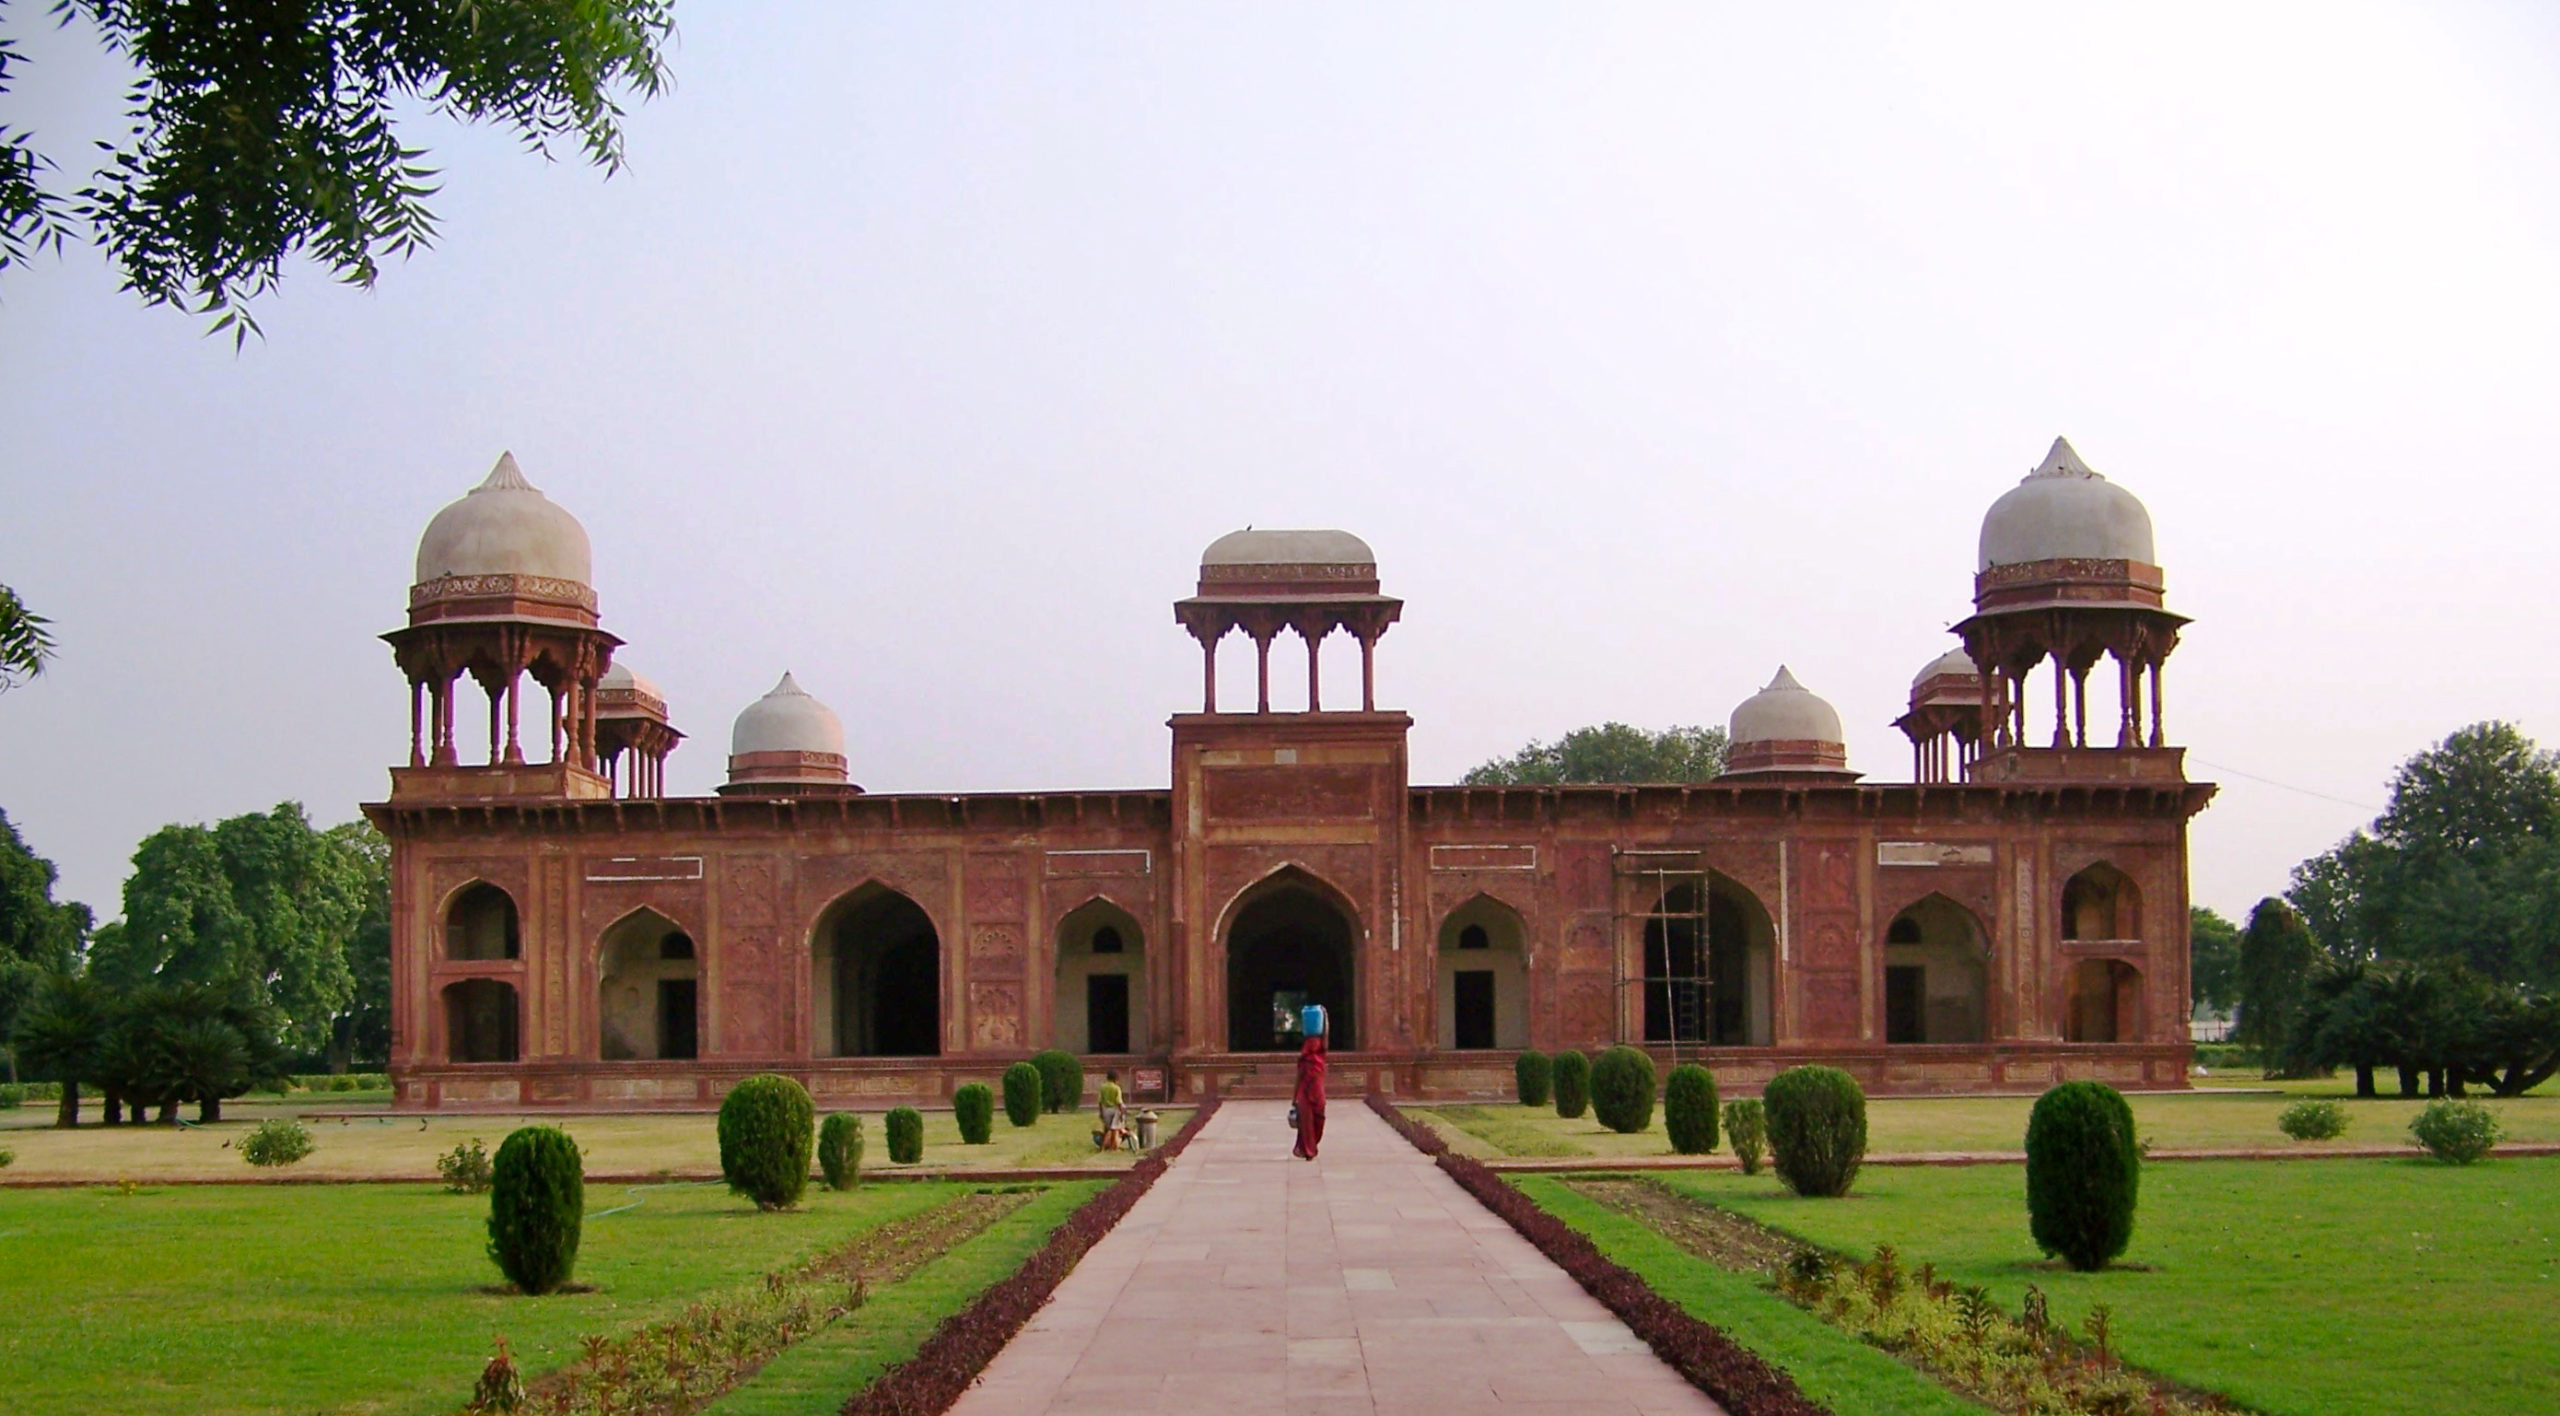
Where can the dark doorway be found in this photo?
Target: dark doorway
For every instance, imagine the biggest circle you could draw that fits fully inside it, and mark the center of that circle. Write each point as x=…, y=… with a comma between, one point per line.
x=1905, y=1002
x=675, y=1018
x=1290, y=939
x=1695, y=966
x=480, y=1021
x=887, y=987
x=1106, y=1012
x=1475, y=1007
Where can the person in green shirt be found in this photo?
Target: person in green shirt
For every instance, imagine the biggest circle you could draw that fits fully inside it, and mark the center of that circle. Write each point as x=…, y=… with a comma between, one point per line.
x=1114, y=1115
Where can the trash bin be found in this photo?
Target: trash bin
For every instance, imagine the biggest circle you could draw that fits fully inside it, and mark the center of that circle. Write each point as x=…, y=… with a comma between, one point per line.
x=1146, y=1130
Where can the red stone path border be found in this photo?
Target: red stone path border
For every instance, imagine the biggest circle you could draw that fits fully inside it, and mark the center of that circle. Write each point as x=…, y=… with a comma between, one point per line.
x=1556, y=1165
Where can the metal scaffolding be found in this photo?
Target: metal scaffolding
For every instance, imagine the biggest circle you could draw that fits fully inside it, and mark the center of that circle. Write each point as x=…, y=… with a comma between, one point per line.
x=1657, y=880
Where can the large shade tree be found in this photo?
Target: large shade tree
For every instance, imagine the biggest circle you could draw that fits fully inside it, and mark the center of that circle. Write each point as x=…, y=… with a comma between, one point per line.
x=2213, y=960
x=39, y=937
x=1609, y=752
x=2462, y=867
x=259, y=132
x=2277, y=955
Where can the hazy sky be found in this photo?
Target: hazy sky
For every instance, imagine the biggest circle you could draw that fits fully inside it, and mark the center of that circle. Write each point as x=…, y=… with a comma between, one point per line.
x=921, y=349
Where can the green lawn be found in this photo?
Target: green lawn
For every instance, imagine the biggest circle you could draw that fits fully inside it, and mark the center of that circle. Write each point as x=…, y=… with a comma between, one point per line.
x=374, y=1144
x=2379, y=1287
x=357, y=1298
x=1918, y=1125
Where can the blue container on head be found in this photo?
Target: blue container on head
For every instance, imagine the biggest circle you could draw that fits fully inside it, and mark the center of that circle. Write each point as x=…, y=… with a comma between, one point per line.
x=1311, y=1020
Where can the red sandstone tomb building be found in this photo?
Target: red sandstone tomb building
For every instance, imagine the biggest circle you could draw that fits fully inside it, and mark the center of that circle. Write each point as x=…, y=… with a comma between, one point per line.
x=566, y=935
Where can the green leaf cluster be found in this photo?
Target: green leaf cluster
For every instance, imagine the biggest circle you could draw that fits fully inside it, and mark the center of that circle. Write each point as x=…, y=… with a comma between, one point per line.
x=1622, y=1083
x=2084, y=1173
x=537, y=1207
x=1534, y=1074
x=38, y=936
x=1571, y=1072
x=1817, y=1129
x=1610, y=752
x=1023, y=1089
x=1689, y=1111
x=973, y=1107
x=840, y=1150
x=766, y=1123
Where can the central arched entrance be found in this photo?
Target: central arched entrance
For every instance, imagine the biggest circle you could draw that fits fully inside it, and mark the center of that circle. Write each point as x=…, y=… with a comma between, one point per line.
x=1291, y=944
x=876, y=978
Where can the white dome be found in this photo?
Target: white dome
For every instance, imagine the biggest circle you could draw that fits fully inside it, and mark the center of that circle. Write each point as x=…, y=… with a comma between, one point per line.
x=1954, y=661
x=505, y=527
x=1252, y=547
x=2064, y=511
x=787, y=720
x=621, y=677
x=1784, y=712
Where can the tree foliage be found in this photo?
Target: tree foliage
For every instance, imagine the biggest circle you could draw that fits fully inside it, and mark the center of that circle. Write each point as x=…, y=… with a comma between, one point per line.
x=2213, y=960
x=1611, y=752
x=259, y=132
x=2438, y=1020
x=2463, y=865
x=38, y=936
x=26, y=645
x=766, y=1125
x=2084, y=1173
x=2276, y=958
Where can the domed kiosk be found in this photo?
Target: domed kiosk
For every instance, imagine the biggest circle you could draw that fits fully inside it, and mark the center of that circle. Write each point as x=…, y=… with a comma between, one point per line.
x=1785, y=730
x=787, y=744
x=1313, y=582
x=631, y=721
x=2066, y=575
x=504, y=589
x=1945, y=719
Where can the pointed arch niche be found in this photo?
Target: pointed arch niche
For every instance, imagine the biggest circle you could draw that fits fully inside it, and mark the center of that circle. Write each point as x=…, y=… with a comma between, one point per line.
x=1102, y=981
x=1709, y=967
x=875, y=978
x=480, y=925
x=1291, y=937
x=1484, y=977
x=1937, y=975
x=480, y=1021
x=648, y=991
x=2101, y=902
x=2105, y=1003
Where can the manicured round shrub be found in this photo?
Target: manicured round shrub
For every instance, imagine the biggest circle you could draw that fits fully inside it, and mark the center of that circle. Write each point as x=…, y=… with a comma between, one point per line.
x=905, y=1129
x=2084, y=1172
x=2456, y=1131
x=765, y=1126
x=1061, y=1080
x=1535, y=1075
x=1746, y=1128
x=840, y=1151
x=2313, y=1120
x=277, y=1141
x=1622, y=1089
x=1573, y=1083
x=1022, y=1094
x=1817, y=1128
x=1689, y=1109
x=537, y=1203
x=974, y=1107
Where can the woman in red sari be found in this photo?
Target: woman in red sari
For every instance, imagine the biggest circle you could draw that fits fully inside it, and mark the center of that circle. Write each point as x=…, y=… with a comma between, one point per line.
x=1308, y=1101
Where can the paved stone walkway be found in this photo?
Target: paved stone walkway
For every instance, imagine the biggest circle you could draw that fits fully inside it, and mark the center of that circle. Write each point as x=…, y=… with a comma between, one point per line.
x=1247, y=1281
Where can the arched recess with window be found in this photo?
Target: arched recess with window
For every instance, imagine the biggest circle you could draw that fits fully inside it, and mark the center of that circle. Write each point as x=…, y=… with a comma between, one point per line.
x=1484, y=977
x=480, y=925
x=2101, y=902
x=2105, y=1003
x=1710, y=966
x=1102, y=981
x=1291, y=939
x=480, y=1020
x=875, y=978
x=1937, y=974
x=648, y=990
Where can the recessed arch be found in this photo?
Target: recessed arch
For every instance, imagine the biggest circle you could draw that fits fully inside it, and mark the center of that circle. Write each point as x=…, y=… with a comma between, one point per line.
x=2101, y=902
x=1937, y=975
x=1101, y=996
x=875, y=977
x=480, y=925
x=480, y=1021
x=1483, y=977
x=648, y=990
x=2105, y=1003
x=1709, y=966
x=1291, y=938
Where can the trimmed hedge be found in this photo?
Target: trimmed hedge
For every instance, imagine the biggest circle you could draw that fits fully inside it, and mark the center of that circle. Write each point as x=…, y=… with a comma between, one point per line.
x=1022, y=1092
x=2458, y=1132
x=2084, y=1173
x=279, y=1140
x=765, y=1127
x=904, y=1127
x=1573, y=1083
x=1724, y=1369
x=1534, y=1073
x=1689, y=1109
x=960, y=1349
x=840, y=1151
x=1061, y=1080
x=1746, y=1125
x=537, y=1205
x=1622, y=1089
x=974, y=1107
x=1817, y=1128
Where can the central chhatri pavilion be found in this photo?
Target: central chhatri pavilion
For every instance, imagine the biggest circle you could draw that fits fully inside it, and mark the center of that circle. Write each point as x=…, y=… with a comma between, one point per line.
x=567, y=935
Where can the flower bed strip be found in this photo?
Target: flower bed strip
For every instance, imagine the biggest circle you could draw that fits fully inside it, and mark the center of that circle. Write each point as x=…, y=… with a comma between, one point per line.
x=1711, y=1361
